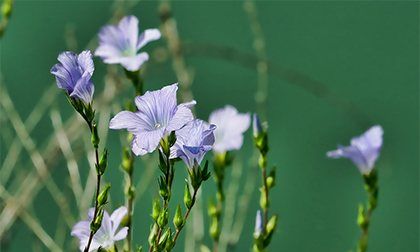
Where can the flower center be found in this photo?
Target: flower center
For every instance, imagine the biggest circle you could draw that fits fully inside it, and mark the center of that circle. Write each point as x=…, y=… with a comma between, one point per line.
x=158, y=125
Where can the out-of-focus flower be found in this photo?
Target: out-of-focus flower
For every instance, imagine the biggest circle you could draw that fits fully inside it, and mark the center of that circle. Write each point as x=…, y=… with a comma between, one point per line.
x=193, y=141
x=119, y=44
x=106, y=235
x=158, y=115
x=230, y=128
x=258, y=224
x=363, y=150
x=73, y=74
x=257, y=127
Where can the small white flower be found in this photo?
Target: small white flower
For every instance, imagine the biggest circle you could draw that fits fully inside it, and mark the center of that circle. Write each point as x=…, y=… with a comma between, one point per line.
x=106, y=235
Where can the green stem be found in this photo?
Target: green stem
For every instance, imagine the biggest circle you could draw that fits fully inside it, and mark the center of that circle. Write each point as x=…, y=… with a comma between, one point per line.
x=178, y=231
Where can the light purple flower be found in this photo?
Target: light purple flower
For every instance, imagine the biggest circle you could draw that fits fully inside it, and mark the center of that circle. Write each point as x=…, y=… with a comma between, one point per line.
x=193, y=141
x=158, y=115
x=106, y=235
x=258, y=224
x=230, y=128
x=73, y=74
x=119, y=44
x=363, y=150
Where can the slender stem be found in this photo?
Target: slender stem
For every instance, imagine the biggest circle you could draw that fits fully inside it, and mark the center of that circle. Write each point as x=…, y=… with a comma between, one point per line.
x=98, y=185
x=265, y=209
x=178, y=231
x=130, y=206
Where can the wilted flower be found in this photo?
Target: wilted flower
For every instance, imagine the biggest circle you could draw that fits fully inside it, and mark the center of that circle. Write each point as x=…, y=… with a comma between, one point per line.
x=119, y=44
x=363, y=150
x=158, y=114
x=73, y=74
x=258, y=224
x=193, y=141
x=230, y=128
x=106, y=235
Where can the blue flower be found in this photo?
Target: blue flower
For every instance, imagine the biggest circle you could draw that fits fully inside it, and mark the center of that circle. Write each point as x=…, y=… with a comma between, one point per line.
x=119, y=44
x=193, y=141
x=364, y=150
x=258, y=224
x=158, y=115
x=73, y=74
x=230, y=128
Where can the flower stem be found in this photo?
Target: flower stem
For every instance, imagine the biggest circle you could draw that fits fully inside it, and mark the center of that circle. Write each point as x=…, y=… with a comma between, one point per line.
x=365, y=212
x=178, y=231
x=98, y=185
x=266, y=191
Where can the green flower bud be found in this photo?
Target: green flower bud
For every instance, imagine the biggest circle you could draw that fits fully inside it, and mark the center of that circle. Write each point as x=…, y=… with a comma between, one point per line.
x=187, y=197
x=212, y=209
x=178, y=218
x=96, y=223
x=263, y=200
x=94, y=136
x=262, y=161
x=103, y=196
x=156, y=209
x=103, y=162
x=362, y=221
x=214, y=228
x=163, y=218
x=153, y=233
x=271, y=224
x=127, y=161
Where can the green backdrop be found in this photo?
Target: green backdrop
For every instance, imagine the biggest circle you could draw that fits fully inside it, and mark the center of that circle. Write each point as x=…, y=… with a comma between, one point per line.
x=335, y=68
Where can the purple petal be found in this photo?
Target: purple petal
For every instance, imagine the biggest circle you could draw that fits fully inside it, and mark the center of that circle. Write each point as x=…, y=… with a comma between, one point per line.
x=129, y=26
x=146, y=141
x=128, y=120
x=122, y=234
x=134, y=63
x=84, y=88
x=117, y=216
x=182, y=116
x=147, y=36
x=84, y=59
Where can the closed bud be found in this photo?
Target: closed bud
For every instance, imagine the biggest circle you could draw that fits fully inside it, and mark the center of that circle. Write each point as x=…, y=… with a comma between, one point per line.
x=262, y=161
x=163, y=239
x=362, y=221
x=271, y=224
x=95, y=136
x=169, y=242
x=257, y=128
x=178, y=218
x=163, y=218
x=103, y=196
x=263, y=200
x=215, y=228
x=127, y=161
x=212, y=209
x=103, y=162
x=96, y=223
x=187, y=197
x=156, y=209
x=271, y=179
x=152, y=236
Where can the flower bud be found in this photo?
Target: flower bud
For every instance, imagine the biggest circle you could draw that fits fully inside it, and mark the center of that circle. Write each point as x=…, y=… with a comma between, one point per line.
x=263, y=200
x=94, y=136
x=257, y=128
x=258, y=225
x=214, y=228
x=262, y=161
x=212, y=209
x=127, y=161
x=178, y=218
x=103, y=162
x=96, y=223
x=163, y=218
x=103, y=196
x=153, y=233
x=156, y=209
x=187, y=196
x=271, y=224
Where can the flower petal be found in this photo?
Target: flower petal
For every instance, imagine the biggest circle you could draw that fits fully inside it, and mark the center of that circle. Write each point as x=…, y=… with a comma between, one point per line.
x=147, y=36
x=128, y=120
x=84, y=88
x=146, y=141
x=133, y=63
x=84, y=59
x=122, y=234
x=182, y=116
x=117, y=216
x=129, y=27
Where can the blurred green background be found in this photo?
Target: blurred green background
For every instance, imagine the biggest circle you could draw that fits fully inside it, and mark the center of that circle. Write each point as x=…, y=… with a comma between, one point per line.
x=335, y=68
